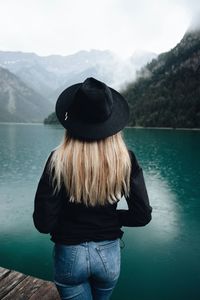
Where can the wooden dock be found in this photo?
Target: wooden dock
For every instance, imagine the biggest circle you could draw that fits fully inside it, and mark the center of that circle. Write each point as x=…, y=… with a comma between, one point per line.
x=18, y=286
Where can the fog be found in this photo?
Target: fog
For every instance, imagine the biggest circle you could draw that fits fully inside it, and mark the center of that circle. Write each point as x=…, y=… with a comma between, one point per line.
x=65, y=27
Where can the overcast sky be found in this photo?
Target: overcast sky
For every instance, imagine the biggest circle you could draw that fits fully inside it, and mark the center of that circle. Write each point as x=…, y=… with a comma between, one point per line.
x=67, y=26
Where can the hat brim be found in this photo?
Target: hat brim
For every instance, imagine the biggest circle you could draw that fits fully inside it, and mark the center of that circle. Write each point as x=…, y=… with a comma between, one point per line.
x=91, y=131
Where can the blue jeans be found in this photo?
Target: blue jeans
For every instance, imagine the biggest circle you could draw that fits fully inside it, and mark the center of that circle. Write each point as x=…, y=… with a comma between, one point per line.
x=87, y=271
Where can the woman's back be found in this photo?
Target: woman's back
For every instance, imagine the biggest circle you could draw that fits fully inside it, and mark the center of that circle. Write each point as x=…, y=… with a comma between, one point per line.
x=82, y=182
x=72, y=223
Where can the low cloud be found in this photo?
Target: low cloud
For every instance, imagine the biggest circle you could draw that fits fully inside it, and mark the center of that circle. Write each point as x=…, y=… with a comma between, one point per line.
x=65, y=27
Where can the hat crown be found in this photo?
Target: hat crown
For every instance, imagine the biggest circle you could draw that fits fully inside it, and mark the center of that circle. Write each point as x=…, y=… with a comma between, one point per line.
x=94, y=101
x=91, y=110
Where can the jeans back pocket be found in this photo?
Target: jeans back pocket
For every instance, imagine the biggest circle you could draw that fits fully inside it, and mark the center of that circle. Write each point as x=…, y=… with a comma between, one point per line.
x=110, y=254
x=64, y=259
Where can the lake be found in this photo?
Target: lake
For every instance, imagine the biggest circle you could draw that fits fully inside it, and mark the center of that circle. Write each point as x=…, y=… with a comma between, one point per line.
x=160, y=261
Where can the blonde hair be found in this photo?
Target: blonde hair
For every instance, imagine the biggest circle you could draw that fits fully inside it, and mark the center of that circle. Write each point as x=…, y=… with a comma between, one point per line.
x=93, y=173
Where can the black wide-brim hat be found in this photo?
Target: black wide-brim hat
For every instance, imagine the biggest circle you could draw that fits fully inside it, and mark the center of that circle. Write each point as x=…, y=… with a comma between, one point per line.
x=91, y=110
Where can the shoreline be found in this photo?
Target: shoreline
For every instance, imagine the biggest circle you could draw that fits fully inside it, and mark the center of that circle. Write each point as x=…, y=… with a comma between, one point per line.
x=16, y=123
x=128, y=127
x=167, y=128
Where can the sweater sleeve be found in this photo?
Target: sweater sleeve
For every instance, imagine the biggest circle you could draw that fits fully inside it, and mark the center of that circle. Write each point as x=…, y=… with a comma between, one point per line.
x=46, y=205
x=139, y=209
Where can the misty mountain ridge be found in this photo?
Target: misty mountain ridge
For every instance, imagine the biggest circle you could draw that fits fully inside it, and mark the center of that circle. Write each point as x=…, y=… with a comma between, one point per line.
x=20, y=103
x=36, y=80
x=167, y=92
x=49, y=75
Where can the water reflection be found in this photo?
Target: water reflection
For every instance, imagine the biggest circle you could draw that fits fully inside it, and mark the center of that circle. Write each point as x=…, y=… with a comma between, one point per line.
x=165, y=205
x=165, y=222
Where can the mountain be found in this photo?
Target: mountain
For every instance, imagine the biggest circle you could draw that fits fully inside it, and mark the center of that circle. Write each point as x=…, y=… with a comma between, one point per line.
x=20, y=103
x=49, y=75
x=167, y=91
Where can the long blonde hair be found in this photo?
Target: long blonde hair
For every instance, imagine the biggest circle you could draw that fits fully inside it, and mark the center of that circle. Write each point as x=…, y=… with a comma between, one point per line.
x=93, y=173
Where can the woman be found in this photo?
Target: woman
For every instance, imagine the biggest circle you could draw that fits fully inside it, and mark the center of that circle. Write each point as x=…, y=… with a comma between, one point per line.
x=77, y=195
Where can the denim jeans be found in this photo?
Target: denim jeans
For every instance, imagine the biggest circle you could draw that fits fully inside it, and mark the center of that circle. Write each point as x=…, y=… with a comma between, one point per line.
x=87, y=271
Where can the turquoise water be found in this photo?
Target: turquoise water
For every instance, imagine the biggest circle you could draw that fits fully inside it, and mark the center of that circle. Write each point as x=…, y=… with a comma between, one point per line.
x=160, y=261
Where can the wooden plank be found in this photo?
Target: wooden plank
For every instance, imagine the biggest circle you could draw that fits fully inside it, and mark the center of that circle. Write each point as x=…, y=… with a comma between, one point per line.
x=18, y=286
x=3, y=272
x=47, y=291
x=25, y=289
x=2, y=269
x=9, y=282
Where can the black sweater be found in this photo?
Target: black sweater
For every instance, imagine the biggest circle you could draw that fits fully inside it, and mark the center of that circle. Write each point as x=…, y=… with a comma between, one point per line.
x=70, y=223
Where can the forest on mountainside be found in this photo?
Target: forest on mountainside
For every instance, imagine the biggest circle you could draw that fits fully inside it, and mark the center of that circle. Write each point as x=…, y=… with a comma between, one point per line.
x=167, y=91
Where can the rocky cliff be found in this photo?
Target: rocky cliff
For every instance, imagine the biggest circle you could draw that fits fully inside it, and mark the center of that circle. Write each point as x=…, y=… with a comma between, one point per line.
x=20, y=103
